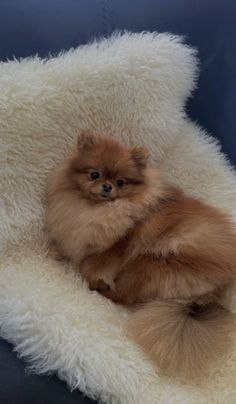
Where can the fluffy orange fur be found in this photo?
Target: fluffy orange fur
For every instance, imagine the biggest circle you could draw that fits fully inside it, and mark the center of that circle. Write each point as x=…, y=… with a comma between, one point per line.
x=142, y=242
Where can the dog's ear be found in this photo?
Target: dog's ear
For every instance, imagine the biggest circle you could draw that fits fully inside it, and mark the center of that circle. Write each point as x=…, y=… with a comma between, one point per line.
x=139, y=155
x=86, y=139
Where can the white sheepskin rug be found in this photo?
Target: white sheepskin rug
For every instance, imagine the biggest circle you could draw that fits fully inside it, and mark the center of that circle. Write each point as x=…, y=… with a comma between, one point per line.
x=133, y=87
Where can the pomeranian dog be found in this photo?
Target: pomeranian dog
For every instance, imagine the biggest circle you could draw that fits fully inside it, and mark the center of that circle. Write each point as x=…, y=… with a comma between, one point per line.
x=143, y=243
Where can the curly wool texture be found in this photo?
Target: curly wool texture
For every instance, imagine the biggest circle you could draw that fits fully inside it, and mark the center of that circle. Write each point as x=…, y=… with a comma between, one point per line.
x=133, y=87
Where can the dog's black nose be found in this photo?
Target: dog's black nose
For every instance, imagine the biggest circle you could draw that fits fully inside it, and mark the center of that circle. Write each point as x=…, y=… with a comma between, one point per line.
x=106, y=187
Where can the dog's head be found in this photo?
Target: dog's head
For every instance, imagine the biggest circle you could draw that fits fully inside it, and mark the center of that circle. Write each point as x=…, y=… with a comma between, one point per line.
x=105, y=170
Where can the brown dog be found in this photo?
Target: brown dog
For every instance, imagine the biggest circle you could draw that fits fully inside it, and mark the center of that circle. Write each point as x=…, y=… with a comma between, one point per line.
x=142, y=241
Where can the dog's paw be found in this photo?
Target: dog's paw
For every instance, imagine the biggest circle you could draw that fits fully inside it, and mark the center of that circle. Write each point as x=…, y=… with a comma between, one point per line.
x=98, y=285
x=54, y=253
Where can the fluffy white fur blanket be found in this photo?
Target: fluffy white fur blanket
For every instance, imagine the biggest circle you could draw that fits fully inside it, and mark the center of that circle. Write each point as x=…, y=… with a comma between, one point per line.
x=133, y=87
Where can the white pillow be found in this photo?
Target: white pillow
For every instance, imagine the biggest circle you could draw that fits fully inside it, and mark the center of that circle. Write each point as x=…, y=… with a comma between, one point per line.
x=133, y=87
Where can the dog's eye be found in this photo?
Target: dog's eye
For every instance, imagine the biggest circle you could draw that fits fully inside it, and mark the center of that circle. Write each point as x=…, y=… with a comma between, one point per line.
x=120, y=183
x=94, y=175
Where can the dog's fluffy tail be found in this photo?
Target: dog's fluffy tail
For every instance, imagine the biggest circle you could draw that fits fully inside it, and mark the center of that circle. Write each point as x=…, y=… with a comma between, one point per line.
x=182, y=337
